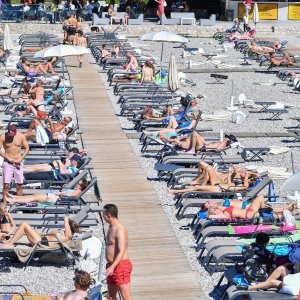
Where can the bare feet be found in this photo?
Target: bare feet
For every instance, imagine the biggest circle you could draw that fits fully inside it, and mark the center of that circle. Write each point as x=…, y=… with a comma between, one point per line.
x=173, y=192
x=6, y=246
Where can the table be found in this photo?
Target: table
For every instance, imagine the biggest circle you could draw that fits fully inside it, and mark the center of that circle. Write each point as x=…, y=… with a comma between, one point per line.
x=193, y=20
x=265, y=105
x=209, y=56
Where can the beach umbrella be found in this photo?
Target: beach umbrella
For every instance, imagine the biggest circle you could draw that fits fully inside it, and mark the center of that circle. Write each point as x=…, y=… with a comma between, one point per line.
x=163, y=37
x=292, y=184
x=255, y=14
x=173, y=82
x=7, y=41
x=62, y=51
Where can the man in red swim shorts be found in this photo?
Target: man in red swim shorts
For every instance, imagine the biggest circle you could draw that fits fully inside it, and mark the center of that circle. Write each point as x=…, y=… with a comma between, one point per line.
x=118, y=267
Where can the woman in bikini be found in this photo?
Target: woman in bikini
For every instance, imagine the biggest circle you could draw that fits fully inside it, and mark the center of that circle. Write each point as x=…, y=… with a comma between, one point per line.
x=36, y=68
x=260, y=49
x=50, y=240
x=160, y=7
x=285, y=60
x=248, y=213
x=7, y=223
x=148, y=73
x=218, y=182
x=37, y=106
x=50, y=197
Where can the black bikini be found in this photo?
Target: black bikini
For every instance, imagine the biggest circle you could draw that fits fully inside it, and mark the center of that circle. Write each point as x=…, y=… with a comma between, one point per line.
x=4, y=220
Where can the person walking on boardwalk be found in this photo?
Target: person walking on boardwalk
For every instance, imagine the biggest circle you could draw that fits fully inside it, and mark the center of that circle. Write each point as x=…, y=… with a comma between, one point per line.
x=81, y=41
x=118, y=267
x=12, y=141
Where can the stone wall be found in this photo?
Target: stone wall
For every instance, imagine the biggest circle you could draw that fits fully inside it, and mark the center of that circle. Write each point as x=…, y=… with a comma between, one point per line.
x=135, y=31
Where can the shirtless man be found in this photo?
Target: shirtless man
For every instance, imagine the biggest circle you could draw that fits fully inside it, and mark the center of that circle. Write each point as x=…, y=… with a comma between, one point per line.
x=53, y=128
x=118, y=264
x=81, y=41
x=72, y=25
x=12, y=141
x=132, y=62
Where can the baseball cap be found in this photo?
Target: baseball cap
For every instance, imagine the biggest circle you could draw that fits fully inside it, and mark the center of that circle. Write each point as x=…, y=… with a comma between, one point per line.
x=74, y=149
x=76, y=157
x=11, y=130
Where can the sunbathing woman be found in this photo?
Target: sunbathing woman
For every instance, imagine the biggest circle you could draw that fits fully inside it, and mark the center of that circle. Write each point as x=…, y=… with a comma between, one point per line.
x=217, y=183
x=192, y=144
x=50, y=240
x=37, y=106
x=36, y=68
x=208, y=205
x=285, y=60
x=7, y=223
x=50, y=197
x=173, y=126
x=231, y=211
x=241, y=36
x=260, y=49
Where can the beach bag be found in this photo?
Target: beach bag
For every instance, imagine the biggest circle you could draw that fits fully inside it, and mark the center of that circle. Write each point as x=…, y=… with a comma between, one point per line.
x=253, y=271
x=291, y=284
x=147, y=112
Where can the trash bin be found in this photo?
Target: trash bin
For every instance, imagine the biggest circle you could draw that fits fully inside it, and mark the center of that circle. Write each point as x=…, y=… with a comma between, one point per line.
x=229, y=14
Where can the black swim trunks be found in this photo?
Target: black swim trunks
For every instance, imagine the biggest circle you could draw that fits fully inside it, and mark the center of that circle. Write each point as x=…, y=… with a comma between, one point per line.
x=72, y=30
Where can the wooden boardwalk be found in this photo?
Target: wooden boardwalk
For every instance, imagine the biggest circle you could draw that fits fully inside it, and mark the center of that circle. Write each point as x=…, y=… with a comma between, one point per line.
x=160, y=269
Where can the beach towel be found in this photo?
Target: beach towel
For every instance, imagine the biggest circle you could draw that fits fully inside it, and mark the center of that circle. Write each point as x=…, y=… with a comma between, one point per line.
x=41, y=136
x=217, y=116
x=260, y=228
x=275, y=173
x=280, y=250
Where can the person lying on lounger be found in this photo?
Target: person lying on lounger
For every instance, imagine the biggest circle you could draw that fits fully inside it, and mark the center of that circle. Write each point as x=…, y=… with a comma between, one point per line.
x=194, y=143
x=37, y=68
x=215, y=182
x=50, y=197
x=231, y=211
x=285, y=61
x=52, y=171
x=7, y=223
x=236, y=36
x=55, y=131
x=208, y=205
x=260, y=49
x=50, y=240
x=275, y=280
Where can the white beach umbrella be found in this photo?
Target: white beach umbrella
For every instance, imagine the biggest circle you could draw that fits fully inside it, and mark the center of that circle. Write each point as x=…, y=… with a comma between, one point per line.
x=7, y=41
x=173, y=82
x=163, y=37
x=292, y=184
x=62, y=51
x=255, y=14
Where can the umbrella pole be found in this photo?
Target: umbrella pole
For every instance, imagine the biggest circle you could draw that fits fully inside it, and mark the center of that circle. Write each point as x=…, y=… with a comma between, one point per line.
x=64, y=84
x=161, y=57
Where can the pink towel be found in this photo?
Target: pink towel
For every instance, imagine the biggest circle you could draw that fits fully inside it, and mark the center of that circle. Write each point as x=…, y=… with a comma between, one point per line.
x=253, y=228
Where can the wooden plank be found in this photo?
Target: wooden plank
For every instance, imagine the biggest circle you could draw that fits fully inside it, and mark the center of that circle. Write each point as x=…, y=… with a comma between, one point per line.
x=160, y=269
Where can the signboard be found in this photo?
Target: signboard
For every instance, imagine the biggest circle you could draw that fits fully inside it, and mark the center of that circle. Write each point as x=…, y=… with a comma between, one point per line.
x=267, y=11
x=294, y=12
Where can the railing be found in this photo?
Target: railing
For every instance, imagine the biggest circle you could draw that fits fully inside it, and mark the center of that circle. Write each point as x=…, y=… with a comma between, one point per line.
x=21, y=12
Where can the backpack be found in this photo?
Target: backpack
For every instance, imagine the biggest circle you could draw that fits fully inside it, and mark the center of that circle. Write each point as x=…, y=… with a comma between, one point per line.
x=256, y=263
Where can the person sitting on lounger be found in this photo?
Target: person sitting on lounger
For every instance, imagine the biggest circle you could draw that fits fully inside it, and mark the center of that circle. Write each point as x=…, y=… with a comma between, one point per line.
x=50, y=240
x=82, y=282
x=104, y=52
x=148, y=72
x=231, y=212
x=285, y=61
x=36, y=105
x=55, y=131
x=132, y=62
x=36, y=68
x=174, y=128
x=52, y=171
x=215, y=183
x=7, y=223
x=51, y=196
